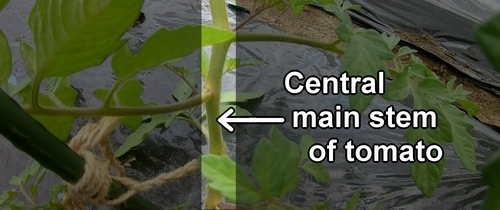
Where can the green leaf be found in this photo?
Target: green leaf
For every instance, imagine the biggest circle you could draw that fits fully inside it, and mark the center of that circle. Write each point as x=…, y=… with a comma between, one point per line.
x=129, y=94
x=30, y=171
x=268, y=172
x=353, y=201
x=289, y=154
x=363, y=57
x=321, y=206
x=490, y=176
x=12, y=90
x=399, y=88
x=61, y=94
x=415, y=60
x=426, y=175
x=6, y=58
x=233, y=63
x=405, y=51
x=138, y=136
x=470, y=107
x=41, y=175
x=230, y=180
x=391, y=40
x=317, y=170
x=419, y=70
x=171, y=119
x=238, y=97
x=458, y=127
x=380, y=204
x=67, y=45
x=238, y=110
x=339, y=13
x=29, y=56
x=491, y=201
x=165, y=45
x=183, y=90
x=55, y=190
x=487, y=35
x=15, y=180
x=6, y=196
x=3, y=3
x=306, y=143
x=435, y=87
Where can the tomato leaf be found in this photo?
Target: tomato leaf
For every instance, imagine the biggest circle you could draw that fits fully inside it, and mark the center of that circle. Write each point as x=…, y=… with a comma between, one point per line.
x=230, y=180
x=321, y=206
x=238, y=97
x=458, y=127
x=165, y=45
x=353, y=201
x=137, y=137
x=129, y=94
x=426, y=175
x=183, y=90
x=317, y=171
x=67, y=45
x=363, y=57
x=399, y=88
x=5, y=59
x=60, y=94
x=3, y=3
x=268, y=172
x=6, y=196
x=306, y=143
x=405, y=51
x=238, y=110
x=289, y=154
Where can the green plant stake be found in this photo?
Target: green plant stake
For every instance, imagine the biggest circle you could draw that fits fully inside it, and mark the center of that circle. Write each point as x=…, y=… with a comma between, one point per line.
x=31, y=137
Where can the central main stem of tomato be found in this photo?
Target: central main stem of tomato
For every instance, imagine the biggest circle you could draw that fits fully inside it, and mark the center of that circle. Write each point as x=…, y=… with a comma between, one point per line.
x=214, y=86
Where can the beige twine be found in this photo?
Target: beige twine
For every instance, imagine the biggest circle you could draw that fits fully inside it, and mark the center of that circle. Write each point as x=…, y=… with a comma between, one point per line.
x=95, y=182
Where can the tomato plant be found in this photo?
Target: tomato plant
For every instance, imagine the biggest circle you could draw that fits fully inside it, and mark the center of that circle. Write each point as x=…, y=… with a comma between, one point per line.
x=57, y=52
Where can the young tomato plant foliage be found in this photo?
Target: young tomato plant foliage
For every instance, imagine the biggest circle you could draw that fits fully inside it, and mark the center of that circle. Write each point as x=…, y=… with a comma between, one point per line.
x=363, y=52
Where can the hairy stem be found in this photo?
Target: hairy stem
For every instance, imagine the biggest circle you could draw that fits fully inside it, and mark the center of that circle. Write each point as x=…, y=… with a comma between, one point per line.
x=266, y=36
x=119, y=111
x=213, y=84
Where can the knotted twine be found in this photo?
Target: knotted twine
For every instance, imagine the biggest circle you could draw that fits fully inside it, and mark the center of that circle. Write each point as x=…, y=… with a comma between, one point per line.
x=95, y=183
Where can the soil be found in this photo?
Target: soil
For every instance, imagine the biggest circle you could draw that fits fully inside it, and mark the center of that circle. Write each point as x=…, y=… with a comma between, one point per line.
x=320, y=25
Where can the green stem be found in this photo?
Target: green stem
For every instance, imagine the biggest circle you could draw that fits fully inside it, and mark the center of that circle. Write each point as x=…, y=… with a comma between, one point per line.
x=266, y=36
x=252, y=16
x=190, y=119
x=107, y=100
x=119, y=111
x=213, y=84
x=34, y=92
x=31, y=201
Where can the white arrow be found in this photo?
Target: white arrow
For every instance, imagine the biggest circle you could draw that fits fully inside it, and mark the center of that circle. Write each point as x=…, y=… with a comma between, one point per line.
x=225, y=119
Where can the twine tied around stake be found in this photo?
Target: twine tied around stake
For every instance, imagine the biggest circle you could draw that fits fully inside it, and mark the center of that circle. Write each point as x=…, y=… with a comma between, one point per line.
x=95, y=183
